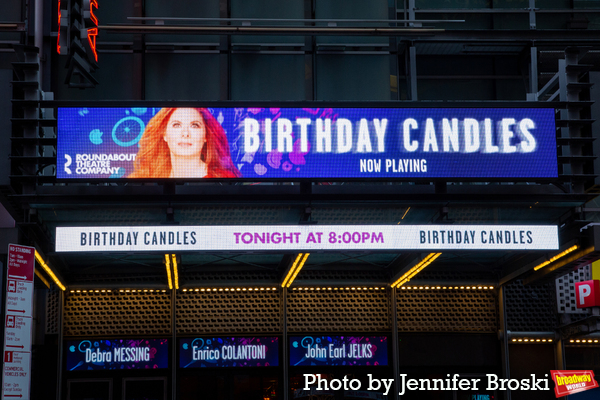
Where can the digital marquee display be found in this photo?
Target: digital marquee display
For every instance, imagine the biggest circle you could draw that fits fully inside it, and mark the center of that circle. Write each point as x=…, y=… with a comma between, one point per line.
x=229, y=352
x=338, y=350
x=305, y=238
x=306, y=143
x=100, y=354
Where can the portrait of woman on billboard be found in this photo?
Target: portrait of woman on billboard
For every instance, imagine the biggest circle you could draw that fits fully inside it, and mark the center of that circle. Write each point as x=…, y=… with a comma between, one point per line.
x=184, y=143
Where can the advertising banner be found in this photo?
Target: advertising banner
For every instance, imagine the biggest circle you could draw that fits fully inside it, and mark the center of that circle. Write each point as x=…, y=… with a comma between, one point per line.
x=306, y=238
x=306, y=143
x=229, y=352
x=97, y=354
x=338, y=350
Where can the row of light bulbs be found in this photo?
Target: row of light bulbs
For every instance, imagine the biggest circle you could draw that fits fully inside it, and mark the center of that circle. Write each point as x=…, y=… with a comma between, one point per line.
x=447, y=287
x=584, y=341
x=341, y=288
x=269, y=288
x=527, y=340
x=120, y=291
x=227, y=289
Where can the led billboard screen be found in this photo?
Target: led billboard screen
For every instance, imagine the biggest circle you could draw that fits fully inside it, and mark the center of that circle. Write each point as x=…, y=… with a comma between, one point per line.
x=306, y=143
x=338, y=350
x=100, y=354
x=306, y=238
x=229, y=352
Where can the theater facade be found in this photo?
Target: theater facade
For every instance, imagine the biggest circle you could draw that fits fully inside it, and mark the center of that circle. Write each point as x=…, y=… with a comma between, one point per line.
x=299, y=200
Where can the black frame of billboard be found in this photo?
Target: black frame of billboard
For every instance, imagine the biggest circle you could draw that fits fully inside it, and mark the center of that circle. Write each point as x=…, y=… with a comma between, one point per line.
x=301, y=104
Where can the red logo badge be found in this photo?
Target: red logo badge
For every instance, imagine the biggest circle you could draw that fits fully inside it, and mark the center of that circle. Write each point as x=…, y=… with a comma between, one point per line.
x=587, y=293
x=569, y=382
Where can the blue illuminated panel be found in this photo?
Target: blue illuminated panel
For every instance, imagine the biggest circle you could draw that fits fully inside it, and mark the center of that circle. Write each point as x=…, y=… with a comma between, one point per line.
x=97, y=354
x=338, y=350
x=311, y=143
x=229, y=352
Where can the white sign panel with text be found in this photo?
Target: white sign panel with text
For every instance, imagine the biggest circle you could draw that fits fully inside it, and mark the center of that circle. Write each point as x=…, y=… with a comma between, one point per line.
x=306, y=238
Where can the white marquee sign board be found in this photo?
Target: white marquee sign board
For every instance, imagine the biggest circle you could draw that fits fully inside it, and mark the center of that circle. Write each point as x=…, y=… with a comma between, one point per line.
x=306, y=238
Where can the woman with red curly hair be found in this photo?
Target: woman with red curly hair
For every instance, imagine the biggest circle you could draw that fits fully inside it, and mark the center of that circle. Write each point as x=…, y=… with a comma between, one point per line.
x=184, y=143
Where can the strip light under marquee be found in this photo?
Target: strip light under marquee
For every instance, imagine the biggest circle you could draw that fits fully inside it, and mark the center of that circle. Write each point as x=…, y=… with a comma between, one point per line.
x=277, y=143
x=305, y=238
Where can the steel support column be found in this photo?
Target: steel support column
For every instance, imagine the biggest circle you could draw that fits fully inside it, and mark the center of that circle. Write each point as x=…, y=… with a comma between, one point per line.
x=395, y=338
x=286, y=383
x=504, y=339
x=412, y=72
x=533, y=75
x=173, y=345
x=61, y=306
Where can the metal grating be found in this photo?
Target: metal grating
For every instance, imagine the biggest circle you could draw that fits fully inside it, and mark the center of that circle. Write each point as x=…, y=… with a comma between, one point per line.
x=52, y=310
x=357, y=215
x=228, y=311
x=237, y=215
x=338, y=310
x=121, y=280
x=472, y=215
x=565, y=290
x=343, y=275
x=530, y=308
x=117, y=313
x=446, y=310
x=247, y=277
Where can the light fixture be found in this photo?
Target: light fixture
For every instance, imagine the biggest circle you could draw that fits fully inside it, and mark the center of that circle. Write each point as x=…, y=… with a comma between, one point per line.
x=49, y=271
x=556, y=257
x=172, y=277
x=175, y=271
x=295, y=269
x=168, y=266
x=431, y=257
x=531, y=340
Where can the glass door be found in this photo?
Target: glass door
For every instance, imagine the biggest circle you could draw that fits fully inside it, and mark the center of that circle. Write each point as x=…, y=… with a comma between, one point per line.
x=89, y=389
x=145, y=388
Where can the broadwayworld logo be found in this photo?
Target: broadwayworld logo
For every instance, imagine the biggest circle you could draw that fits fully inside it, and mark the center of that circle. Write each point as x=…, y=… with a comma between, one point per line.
x=569, y=382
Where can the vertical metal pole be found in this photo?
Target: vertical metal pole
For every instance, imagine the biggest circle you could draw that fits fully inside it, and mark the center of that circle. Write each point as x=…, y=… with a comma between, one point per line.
x=309, y=55
x=60, y=345
x=532, y=21
x=560, y=361
x=411, y=11
x=286, y=380
x=412, y=70
x=559, y=357
x=39, y=34
x=224, y=56
x=504, y=332
x=393, y=53
x=173, y=345
x=533, y=74
x=395, y=339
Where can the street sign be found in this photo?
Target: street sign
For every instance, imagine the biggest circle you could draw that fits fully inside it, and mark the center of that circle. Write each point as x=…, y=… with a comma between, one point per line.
x=17, y=323
x=17, y=375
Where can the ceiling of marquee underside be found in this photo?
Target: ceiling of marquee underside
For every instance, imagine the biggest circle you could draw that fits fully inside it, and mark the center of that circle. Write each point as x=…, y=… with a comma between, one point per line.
x=139, y=269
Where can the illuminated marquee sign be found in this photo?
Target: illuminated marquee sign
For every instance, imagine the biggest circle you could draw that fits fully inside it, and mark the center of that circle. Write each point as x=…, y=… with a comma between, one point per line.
x=117, y=354
x=306, y=238
x=338, y=350
x=229, y=352
x=306, y=143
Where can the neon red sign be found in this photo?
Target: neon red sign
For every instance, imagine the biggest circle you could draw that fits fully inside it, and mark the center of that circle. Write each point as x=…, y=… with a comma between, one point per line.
x=58, y=38
x=92, y=33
